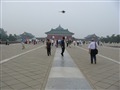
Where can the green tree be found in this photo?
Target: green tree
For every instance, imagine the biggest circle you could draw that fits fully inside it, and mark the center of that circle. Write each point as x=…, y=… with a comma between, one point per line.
x=3, y=35
x=112, y=39
x=117, y=38
x=12, y=37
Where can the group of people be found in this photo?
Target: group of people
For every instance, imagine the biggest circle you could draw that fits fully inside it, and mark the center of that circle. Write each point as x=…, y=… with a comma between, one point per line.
x=92, y=49
x=48, y=46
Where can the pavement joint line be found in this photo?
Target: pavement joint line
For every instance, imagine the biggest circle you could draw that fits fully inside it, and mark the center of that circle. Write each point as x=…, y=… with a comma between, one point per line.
x=102, y=56
x=5, y=60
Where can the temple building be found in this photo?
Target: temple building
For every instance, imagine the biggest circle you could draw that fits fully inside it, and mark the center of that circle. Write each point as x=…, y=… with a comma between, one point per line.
x=58, y=33
x=92, y=36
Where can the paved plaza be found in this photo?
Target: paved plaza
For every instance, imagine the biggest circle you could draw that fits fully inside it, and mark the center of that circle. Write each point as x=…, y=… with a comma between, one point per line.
x=32, y=69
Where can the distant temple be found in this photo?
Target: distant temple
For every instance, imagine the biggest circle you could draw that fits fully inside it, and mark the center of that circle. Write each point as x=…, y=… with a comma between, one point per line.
x=92, y=36
x=58, y=33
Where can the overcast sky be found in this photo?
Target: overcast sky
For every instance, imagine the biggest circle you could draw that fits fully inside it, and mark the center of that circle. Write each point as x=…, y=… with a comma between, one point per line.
x=82, y=18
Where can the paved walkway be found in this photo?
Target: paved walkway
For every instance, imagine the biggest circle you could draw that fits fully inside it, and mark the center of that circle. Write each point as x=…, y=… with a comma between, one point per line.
x=32, y=69
x=105, y=74
x=65, y=75
x=28, y=71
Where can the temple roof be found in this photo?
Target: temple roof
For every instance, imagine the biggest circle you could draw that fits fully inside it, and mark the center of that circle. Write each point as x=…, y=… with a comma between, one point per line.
x=90, y=37
x=59, y=30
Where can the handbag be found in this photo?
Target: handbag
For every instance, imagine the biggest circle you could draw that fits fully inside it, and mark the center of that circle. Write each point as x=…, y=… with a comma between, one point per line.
x=96, y=50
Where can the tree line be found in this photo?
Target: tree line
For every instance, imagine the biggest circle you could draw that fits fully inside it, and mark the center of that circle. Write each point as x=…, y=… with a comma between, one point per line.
x=111, y=39
x=13, y=37
x=4, y=36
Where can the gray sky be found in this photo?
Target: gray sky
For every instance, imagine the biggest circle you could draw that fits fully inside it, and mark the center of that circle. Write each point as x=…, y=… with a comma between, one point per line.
x=81, y=18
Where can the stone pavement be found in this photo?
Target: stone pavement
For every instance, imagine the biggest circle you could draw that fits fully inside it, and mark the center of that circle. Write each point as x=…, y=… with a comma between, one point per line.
x=105, y=74
x=26, y=72
x=30, y=71
x=65, y=75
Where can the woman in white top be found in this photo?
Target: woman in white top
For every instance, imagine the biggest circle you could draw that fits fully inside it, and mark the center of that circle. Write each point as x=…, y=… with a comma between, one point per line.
x=92, y=46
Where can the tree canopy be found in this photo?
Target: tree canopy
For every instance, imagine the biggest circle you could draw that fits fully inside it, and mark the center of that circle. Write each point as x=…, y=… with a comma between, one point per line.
x=111, y=39
x=14, y=37
x=3, y=35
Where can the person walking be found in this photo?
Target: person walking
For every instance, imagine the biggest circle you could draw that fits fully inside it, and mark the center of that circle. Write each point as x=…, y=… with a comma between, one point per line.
x=48, y=46
x=57, y=43
x=7, y=42
x=63, y=46
x=92, y=46
x=23, y=43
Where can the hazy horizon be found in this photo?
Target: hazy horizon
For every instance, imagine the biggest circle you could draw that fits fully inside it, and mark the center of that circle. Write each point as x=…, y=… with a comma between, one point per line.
x=81, y=18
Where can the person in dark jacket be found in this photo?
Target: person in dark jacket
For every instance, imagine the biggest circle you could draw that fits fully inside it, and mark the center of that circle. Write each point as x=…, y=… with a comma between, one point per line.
x=62, y=46
x=48, y=46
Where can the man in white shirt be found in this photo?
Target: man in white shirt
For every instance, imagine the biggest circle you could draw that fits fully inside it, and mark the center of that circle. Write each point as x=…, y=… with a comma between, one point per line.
x=92, y=46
